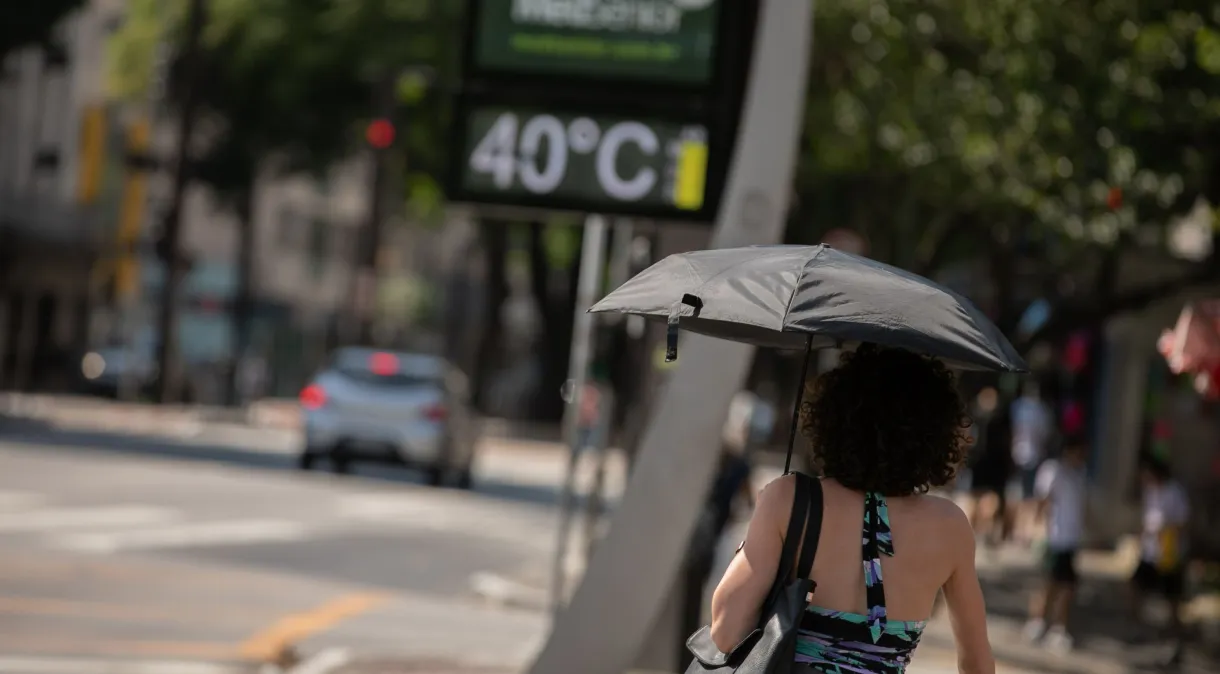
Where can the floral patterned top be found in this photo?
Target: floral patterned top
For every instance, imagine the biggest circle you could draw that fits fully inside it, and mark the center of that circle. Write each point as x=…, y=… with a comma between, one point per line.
x=838, y=642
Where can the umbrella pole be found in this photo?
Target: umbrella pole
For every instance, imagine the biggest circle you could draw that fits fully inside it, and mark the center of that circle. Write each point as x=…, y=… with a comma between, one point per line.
x=796, y=412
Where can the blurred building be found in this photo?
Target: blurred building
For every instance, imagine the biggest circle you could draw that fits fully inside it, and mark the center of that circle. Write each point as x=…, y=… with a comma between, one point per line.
x=84, y=184
x=53, y=226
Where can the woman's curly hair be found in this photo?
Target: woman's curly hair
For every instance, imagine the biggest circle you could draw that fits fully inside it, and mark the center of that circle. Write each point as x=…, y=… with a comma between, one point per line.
x=886, y=420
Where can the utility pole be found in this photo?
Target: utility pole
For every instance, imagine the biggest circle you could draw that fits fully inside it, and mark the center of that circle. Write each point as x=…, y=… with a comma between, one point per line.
x=169, y=243
x=380, y=136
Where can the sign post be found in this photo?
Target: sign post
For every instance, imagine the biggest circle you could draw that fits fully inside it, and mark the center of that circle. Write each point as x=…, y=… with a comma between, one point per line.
x=587, y=286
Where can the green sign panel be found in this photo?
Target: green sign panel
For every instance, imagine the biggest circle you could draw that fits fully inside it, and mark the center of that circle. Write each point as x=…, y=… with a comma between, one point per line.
x=667, y=41
x=610, y=164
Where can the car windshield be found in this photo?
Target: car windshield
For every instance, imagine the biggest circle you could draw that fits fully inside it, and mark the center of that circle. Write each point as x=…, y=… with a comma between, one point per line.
x=385, y=368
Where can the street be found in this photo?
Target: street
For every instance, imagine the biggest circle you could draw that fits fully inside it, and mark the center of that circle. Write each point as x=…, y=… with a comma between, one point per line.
x=124, y=546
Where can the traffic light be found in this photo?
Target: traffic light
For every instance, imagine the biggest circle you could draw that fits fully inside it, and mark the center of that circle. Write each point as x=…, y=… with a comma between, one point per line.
x=380, y=134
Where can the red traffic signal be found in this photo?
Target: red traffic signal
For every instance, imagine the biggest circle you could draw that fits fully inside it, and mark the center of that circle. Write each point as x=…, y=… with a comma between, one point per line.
x=1114, y=198
x=380, y=134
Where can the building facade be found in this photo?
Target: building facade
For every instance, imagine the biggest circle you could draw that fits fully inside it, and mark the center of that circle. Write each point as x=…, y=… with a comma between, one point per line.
x=77, y=216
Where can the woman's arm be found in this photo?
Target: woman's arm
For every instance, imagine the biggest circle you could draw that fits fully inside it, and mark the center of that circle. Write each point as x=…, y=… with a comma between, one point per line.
x=740, y=594
x=964, y=597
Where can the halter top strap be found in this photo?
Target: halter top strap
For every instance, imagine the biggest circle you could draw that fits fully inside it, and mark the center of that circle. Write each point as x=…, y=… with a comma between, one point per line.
x=878, y=540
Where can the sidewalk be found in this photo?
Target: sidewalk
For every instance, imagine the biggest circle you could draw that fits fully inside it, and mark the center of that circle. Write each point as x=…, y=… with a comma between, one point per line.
x=926, y=661
x=1107, y=641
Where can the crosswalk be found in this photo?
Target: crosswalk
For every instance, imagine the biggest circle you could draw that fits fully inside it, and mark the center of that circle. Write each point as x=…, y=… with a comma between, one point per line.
x=30, y=518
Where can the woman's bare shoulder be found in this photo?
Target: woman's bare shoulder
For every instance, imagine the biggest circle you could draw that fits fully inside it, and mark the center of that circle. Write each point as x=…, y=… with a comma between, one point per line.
x=777, y=496
x=944, y=512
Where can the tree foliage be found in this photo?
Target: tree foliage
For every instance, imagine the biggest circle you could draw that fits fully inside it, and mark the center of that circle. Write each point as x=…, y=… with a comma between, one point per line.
x=294, y=80
x=952, y=128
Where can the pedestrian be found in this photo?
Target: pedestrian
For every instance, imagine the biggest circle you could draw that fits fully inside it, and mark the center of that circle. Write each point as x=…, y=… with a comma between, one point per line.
x=990, y=474
x=885, y=427
x=1162, y=567
x=731, y=485
x=1032, y=428
x=1061, y=487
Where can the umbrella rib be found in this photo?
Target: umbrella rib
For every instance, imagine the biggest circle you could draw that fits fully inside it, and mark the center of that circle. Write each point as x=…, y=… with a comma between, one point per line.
x=796, y=287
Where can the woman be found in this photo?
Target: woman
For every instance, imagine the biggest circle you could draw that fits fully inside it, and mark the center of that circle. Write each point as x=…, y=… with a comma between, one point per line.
x=885, y=426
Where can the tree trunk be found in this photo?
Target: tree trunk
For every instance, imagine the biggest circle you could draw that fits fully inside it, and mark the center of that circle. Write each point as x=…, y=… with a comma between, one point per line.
x=243, y=303
x=495, y=255
x=168, y=366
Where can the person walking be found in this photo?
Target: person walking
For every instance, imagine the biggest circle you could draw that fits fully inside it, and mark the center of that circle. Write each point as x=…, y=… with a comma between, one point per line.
x=731, y=486
x=1162, y=566
x=990, y=474
x=1032, y=428
x=885, y=426
x=1061, y=489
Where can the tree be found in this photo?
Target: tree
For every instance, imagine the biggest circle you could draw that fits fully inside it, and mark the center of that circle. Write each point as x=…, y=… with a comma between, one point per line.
x=286, y=86
x=23, y=24
x=1005, y=130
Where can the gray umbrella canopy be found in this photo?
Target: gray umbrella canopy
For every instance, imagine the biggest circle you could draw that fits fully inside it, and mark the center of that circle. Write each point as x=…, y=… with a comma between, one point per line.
x=799, y=297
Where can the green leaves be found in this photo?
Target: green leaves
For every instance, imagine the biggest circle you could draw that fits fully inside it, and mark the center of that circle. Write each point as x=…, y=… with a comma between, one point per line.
x=1027, y=111
x=296, y=80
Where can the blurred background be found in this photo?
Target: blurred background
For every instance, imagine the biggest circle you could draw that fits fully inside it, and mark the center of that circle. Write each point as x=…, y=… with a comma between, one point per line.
x=267, y=279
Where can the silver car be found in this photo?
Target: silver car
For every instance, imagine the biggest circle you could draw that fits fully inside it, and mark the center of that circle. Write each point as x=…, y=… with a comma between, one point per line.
x=388, y=407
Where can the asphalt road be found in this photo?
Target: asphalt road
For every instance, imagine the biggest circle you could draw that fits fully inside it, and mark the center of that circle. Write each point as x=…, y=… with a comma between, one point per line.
x=208, y=553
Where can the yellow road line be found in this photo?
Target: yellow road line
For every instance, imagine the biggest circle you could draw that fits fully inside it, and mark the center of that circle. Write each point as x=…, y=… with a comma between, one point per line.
x=268, y=644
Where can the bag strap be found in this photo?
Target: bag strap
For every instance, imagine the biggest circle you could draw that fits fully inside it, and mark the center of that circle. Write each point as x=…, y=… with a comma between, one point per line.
x=813, y=526
x=796, y=524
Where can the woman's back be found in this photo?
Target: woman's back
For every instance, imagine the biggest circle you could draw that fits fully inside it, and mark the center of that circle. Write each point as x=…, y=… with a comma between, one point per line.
x=922, y=558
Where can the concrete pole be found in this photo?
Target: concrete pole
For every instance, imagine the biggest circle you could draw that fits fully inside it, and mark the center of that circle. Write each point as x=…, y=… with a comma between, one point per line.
x=629, y=577
x=588, y=286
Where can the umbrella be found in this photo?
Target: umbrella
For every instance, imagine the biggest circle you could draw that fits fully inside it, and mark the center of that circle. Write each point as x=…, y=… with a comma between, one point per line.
x=810, y=297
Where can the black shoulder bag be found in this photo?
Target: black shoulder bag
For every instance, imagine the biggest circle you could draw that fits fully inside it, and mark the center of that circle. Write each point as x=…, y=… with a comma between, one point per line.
x=771, y=647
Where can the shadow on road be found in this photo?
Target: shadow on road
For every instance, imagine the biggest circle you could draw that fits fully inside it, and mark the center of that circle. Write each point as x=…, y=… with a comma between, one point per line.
x=38, y=433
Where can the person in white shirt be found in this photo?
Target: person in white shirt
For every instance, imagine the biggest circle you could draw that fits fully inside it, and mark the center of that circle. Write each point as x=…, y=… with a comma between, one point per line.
x=1033, y=426
x=1061, y=488
x=1162, y=567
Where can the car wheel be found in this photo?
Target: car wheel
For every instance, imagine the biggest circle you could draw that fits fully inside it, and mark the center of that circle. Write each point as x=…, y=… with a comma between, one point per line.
x=306, y=460
x=340, y=461
x=434, y=476
x=464, y=479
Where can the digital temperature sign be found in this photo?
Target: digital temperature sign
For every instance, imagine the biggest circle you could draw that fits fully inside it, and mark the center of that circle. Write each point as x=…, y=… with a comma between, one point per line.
x=614, y=164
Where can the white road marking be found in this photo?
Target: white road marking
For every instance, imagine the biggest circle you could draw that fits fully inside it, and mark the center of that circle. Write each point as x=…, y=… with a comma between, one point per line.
x=234, y=532
x=37, y=665
x=324, y=662
x=85, y=517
